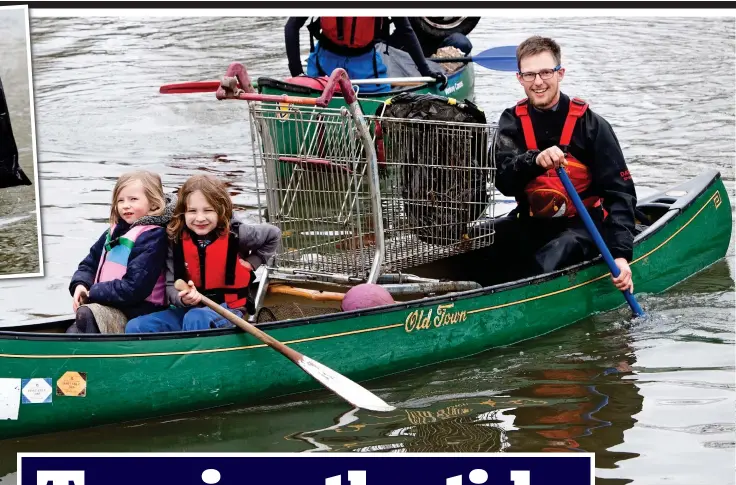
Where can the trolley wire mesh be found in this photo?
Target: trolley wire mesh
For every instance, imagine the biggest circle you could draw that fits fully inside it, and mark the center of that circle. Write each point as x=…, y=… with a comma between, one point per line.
x=436, y=184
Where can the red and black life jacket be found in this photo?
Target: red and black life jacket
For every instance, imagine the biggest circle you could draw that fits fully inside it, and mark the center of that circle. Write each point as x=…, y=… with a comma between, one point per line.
x=350, y=36
x=546, y=195
x=217, y=270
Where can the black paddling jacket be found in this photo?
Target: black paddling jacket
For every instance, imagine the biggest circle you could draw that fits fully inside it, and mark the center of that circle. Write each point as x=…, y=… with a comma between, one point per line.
x=593, y=143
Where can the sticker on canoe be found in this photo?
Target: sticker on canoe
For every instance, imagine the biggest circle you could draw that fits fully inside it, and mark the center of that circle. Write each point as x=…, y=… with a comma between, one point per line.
x=72, y=384
x=9, y=398
x=419, y=320
x=36, y=391
x=453, y=88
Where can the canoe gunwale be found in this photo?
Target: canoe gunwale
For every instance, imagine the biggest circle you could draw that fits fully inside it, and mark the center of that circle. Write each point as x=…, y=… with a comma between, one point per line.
x=307, y=90
x=682, y=204
x=678, y=208
x=273, y=83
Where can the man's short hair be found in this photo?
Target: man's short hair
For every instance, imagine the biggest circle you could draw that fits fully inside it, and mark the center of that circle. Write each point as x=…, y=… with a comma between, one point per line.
x=536, y=45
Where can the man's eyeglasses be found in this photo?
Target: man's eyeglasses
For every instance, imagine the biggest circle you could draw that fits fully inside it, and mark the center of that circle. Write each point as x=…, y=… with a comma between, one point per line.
x=544, y=74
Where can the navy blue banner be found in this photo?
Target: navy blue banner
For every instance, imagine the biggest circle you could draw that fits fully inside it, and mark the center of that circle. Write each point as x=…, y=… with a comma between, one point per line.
x=306, y=469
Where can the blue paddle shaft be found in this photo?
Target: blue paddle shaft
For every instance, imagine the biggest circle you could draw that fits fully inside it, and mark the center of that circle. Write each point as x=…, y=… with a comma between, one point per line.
x=590, y=226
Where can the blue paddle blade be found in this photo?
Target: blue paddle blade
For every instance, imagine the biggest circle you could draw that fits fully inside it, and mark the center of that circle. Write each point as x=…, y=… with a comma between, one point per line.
x=501, y=58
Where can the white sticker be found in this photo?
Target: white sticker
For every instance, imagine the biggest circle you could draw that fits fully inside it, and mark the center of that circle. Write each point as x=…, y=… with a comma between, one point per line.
x=36, y=391
x=9, y=398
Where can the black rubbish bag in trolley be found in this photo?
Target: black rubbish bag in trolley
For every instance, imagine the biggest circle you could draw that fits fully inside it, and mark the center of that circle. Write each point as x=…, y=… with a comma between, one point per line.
x=444, y=163
x=11, y=174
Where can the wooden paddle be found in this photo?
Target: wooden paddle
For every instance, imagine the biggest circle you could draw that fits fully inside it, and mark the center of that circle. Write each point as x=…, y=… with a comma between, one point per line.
x=342, y=386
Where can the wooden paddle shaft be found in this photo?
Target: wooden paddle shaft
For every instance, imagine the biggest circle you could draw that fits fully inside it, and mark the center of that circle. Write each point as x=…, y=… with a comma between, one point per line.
x=316, y=295
x=339, y=384
x=245, y=326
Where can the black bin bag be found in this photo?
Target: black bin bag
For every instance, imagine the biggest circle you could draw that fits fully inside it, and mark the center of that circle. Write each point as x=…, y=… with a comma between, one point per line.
x=444, y=170
x=11, y=175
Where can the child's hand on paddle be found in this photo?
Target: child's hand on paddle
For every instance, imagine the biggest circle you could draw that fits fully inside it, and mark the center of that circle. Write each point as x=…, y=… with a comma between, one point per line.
x=81, y=296
x=189, y=296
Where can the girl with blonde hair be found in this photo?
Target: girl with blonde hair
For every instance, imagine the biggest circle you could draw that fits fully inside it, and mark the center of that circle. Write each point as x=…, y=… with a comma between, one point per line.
x=216, y=253
x=122, y=277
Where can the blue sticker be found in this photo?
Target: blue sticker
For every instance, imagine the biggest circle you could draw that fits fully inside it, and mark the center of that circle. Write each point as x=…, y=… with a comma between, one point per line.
x=36, y=391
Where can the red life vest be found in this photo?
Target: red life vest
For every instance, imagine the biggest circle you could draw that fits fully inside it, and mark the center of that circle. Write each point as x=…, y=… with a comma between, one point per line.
x=217, y=270
x=546, y=195
x=347, y=35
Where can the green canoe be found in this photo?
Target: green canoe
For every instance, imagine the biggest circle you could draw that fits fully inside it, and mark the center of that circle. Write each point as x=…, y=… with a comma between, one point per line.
x=86, y=381
x=460, y=85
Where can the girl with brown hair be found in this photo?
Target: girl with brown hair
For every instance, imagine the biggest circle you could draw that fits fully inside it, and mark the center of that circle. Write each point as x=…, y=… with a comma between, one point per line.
x=215, y=253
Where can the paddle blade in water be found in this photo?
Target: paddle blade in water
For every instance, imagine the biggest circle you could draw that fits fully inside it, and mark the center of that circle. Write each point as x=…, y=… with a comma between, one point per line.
x=344, y=387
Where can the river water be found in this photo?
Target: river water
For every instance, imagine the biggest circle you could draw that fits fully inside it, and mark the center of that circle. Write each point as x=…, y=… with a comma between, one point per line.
x=654, y=401
x=19, y=246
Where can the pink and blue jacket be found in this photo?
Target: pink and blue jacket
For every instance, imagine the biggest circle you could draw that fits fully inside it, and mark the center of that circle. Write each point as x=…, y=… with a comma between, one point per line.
x=126, y=267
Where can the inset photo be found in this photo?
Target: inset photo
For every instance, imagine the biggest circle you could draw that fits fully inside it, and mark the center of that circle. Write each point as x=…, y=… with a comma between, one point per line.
x=20, y=225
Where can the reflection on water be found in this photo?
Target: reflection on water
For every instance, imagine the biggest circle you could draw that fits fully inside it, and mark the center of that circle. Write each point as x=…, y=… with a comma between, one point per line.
x=654, y=401
x=18, y=223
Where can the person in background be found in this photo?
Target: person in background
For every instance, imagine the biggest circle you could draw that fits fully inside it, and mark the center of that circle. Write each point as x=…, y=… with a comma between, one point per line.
x=547, y=130
x=122, y=277
x=350, y=43
x=11, y=175
x=431, y=45
x=216, y=254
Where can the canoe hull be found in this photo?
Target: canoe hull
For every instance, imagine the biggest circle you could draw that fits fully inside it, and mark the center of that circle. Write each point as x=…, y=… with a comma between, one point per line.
x=165, y=374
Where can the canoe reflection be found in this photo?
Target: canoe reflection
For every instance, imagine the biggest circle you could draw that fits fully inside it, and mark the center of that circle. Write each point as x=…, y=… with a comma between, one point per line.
x=577, y=404
x=463, y=427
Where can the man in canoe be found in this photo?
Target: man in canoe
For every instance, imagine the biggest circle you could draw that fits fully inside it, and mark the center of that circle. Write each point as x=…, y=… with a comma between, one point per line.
x=350, y=43
x=547, y=130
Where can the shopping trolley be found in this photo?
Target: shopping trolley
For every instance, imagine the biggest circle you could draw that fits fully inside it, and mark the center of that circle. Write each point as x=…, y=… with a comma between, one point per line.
x=361, y=198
